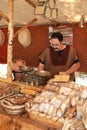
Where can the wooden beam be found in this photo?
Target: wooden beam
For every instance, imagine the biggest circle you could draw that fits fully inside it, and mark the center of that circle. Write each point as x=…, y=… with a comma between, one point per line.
x=4, y=16
x=31, y=3
x=24, y=27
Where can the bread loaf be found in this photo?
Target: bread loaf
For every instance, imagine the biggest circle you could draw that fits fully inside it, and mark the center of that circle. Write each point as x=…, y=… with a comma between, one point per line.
x=61, y=78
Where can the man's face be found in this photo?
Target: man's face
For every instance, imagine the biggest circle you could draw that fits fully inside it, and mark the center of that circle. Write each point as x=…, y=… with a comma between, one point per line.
x=56, y=44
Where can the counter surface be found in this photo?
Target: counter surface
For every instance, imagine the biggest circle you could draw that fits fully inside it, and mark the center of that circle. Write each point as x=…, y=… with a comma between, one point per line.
x=20, y=122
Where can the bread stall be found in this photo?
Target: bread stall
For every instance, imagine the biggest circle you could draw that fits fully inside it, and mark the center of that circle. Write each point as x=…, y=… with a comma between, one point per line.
x=37, y=102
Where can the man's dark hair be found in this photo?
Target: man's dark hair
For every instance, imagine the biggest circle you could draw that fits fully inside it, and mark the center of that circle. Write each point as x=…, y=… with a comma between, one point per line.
x=57, y=35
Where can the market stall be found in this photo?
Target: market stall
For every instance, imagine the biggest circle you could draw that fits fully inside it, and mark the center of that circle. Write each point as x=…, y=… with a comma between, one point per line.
x=34, y=101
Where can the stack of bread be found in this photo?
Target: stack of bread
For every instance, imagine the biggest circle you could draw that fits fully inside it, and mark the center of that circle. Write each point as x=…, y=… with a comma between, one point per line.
x=57, y=102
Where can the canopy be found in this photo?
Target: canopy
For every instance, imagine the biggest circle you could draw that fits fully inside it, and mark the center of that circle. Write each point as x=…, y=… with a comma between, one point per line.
x=69, y=11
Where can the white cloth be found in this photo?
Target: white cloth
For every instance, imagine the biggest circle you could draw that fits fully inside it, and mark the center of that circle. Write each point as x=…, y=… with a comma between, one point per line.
x=3, y=70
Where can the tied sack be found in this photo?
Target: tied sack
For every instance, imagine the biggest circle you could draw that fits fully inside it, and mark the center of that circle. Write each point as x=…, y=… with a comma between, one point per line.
x=24, y=37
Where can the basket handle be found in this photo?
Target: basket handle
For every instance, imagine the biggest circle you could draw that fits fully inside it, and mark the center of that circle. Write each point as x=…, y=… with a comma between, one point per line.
x=4, y=103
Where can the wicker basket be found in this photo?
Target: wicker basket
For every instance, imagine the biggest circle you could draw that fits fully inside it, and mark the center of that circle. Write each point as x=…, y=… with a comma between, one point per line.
x=44, y=120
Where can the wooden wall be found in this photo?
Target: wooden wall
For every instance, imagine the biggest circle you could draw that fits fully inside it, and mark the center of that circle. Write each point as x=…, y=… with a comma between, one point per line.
x=39, y=35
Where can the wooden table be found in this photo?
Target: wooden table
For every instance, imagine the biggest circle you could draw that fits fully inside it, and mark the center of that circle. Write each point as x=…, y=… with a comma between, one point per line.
x=19, y=122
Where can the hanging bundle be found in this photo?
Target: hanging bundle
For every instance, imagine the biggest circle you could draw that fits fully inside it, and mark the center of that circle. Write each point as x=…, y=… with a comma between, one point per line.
x=24, y=38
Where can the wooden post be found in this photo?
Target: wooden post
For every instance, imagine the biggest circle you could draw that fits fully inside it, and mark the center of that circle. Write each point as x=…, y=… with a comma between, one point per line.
x=10, y=37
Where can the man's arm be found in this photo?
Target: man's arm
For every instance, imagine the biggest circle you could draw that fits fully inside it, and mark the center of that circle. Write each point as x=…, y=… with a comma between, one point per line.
x=41, y=66
x=73, y=68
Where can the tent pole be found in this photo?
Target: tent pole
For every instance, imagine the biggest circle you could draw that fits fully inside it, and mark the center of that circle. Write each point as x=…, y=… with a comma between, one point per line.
x=10, y=38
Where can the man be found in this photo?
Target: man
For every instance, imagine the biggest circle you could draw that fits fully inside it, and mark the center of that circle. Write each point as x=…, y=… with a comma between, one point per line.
x=59, y=57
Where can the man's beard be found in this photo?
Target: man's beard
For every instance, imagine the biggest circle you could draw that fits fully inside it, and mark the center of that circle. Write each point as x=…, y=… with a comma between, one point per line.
x=55, y=49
